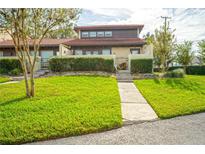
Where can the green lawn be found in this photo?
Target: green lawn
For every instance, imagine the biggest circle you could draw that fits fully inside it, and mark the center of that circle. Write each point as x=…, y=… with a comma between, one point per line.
x=63, y=106
x=174, y=97
x=4, y=79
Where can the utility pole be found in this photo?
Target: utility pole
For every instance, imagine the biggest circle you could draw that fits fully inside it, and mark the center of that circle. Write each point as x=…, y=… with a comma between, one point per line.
x=165, y=22
x=165, y=39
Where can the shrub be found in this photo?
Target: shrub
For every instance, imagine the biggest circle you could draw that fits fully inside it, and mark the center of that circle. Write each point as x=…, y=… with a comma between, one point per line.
x=81, y=64
x=122, y=66
x=191, y=70
x=7, y=65
x=141, y=65
x=15, y=72
x=177, y=73
x=196, y=70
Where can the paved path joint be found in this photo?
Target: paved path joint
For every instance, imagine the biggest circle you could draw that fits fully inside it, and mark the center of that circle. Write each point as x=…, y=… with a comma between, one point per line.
x=134, y=106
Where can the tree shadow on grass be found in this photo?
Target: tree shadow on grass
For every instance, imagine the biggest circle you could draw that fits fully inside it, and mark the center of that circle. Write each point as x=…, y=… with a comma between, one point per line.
x=156, y=80
x=16, y=100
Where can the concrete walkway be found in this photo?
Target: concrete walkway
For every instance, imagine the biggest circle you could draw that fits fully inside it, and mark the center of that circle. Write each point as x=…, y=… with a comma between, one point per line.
x=135, y=108
x=9, y=82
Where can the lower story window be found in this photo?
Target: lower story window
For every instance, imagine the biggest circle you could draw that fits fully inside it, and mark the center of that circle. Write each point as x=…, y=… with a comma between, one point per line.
x=106, y=51
x=95, y=52
x=135, y=51
x=1, y=54
x=78, y=52
x=88, y=52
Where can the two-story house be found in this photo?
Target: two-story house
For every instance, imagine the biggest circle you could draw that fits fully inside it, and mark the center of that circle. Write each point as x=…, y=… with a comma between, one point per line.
x=118, y=40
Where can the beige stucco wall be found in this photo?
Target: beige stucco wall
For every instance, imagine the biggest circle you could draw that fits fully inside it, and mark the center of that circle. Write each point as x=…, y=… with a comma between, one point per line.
x=64, y=50
x=122, y=53
x=4, y=36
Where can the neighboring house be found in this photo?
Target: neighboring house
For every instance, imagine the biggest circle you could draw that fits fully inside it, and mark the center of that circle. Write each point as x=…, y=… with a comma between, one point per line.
x=4, y=36
x=120, y=41
x=48, y=48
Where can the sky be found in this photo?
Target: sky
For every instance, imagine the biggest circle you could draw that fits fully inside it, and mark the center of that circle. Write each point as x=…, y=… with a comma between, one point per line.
x=189, y=23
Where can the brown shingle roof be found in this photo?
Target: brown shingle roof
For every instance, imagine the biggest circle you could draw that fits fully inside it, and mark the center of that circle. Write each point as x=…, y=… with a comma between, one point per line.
x=45, y=42
x=108, y=27
x=106, y=42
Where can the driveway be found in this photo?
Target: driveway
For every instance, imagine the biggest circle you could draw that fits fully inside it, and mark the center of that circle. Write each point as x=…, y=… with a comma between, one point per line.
x=181, y=130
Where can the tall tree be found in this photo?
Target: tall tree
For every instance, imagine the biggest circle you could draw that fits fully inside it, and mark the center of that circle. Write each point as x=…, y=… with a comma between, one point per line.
x=27, y=28
x=164, y=42
x=149, y=38
x=201, y=45
x=184, y=53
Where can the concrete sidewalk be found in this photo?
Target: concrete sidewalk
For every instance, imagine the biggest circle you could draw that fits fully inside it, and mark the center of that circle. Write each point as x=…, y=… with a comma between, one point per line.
x=135, y=108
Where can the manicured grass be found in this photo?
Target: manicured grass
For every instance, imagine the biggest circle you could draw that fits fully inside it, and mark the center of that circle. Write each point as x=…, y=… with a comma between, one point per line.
x=63, y=106
x=174, y=97
x=4, y=79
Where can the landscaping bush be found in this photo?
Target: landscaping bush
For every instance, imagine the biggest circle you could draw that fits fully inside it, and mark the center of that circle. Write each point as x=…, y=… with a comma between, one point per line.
x=15, y=72
x=196, y=70
x=81, y=64
x=190, y=70
x=141, y=65
x=177, y=73
x=122, y=66
x=8, y=65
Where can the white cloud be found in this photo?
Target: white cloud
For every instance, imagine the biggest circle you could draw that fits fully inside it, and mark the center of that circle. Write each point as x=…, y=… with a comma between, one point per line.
x=189, y=23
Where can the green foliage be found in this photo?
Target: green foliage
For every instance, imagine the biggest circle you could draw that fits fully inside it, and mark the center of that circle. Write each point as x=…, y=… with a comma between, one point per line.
x=63, y=106
x=174, y=96
x=4, y=79
x=141, y=65
x=81, y=64
x=164, y=42
x=177, y=73
x=201, y=46
x=15, y=72
x=184, y=53
x=122, y=66
x=149, y=38
x=8, y=65
x=196, y=70
x=190, y=70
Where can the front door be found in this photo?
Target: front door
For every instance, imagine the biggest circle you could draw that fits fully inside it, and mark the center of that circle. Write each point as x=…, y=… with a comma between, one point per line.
x=45, y=55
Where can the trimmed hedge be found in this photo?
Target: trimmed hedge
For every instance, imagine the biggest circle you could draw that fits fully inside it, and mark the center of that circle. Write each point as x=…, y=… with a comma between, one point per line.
x=190, y=70
x=8, y=65
x=141, y=65
x=81, y=64
x=196, y=70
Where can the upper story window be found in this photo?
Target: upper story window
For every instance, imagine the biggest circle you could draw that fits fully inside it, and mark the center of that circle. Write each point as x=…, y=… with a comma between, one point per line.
x=85, y=34
x=108, y=33
x=100, y=34
x=92, y=34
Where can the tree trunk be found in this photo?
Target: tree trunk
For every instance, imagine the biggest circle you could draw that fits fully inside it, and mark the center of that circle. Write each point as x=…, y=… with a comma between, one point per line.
x=163, y=64
x=184, y=69
x=25, y=72
x=32, y=90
